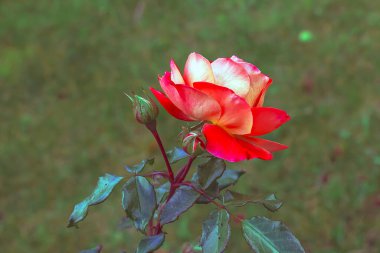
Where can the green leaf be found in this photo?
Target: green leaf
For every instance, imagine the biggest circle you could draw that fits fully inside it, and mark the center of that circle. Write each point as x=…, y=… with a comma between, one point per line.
x=229, y=177
x=210, y=171
x=212, y=192
x=183, y=198
x=266, y=236
x=139, y=201
x=272, y=203
x=97, y=249
x=161, y=191
x=216, y=232
x=101, y=192
x=237, y=199
x=150, y=243
x=140, y=166
x=206, y=178
x=176, y=154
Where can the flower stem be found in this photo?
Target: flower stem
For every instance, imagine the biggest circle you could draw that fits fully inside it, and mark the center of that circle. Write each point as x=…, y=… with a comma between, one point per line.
x=184, y=171
x=152, y=128
x=220, y=206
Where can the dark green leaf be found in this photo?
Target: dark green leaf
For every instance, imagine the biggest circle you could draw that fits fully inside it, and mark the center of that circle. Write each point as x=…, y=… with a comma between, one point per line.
x=266, y=236
x=161, y=191
x=101, y=192
x=216, y=232
x=210, y=171
x=139, y=201
x=150, y=243
x=97, y=249
x=140, y=166
x=272, y=203
x=238, y=199
x=183, y=198
x=176, y=154
x=206, y=178
x=229, y=177
x=212, y=192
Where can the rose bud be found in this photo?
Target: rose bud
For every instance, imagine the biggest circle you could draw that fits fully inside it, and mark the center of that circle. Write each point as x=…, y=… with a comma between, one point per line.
x=145, y=109
x=193, y=144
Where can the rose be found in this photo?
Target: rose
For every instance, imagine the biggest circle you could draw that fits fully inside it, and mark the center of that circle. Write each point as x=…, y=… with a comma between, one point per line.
x=228, y=95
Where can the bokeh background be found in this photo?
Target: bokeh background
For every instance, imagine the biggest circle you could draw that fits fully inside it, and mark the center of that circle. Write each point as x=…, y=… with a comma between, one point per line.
x=65, y=121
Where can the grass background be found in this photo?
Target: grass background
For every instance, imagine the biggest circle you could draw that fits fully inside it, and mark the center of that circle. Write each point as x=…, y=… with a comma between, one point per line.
x=64, y=120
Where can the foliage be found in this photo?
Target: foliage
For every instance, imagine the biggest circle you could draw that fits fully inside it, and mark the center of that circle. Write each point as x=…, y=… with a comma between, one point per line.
x=146, y=204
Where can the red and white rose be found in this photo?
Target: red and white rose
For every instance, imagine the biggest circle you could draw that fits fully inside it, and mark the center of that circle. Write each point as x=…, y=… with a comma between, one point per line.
x=228, y=94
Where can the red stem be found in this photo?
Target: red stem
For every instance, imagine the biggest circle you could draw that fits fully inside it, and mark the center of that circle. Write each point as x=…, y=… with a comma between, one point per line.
x=184, y=171
x=202, y=192
x=173, y=187
x=152, y=128
x=220, y=206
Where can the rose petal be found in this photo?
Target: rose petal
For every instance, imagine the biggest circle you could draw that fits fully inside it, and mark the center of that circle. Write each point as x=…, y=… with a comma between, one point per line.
x=231, y=75
x=229, y=147
x=259, y=85
x=267, y=119
x=197, y=69
x=169, y=106
x=271, y=146
x=198, y=105
x=176, y=74
x=249, y=67
x=194, y=103
x=236, y=115
x=259, y=82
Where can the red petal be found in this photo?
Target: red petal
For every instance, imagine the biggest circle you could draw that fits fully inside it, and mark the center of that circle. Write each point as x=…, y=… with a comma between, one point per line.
x=169, y=87
x=197, y=104
x=169, y=106
x=231, y=75
x=236, y=115
x=271, y=146
x=229, y=147
x=197, y=69
x=267, y=119
x=190, y=101
x=175, y=73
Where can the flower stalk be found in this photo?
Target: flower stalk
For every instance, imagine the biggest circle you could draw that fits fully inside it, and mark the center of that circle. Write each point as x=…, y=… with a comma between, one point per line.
x=153, y=129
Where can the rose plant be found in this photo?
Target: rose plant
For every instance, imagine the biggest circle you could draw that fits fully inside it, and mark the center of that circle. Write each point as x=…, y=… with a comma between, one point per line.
x=224, y=102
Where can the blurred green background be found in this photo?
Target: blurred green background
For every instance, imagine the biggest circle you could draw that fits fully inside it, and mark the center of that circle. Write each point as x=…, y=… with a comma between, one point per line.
x=64, y=66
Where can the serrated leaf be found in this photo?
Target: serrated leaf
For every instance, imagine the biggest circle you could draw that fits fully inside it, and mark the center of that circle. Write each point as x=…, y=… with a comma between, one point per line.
x=150, y=243
x=139, y=201
x=183, y=198
x=216, y=232
x=210, y=171
x=266, y=236
x=176, y=154
x=140, y=166
x=229, y=177
x=101, y=192
x=161, y=191
x=237, y=199
x=97, y=249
